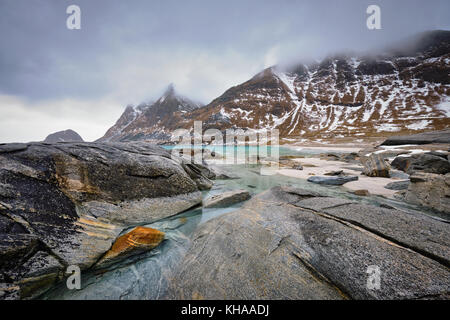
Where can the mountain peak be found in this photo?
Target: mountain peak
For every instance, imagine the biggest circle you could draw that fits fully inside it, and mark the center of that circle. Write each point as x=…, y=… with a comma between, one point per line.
x=64, y=136
x=169, y=92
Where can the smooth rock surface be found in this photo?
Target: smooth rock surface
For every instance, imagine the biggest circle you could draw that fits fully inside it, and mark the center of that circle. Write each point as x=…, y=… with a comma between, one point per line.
x=398, y=185
x=275, y=247
x=429, y=163
x=442, y=136
x=69, y=201
x=430, y=190
x=226, y=199
x=332, y=180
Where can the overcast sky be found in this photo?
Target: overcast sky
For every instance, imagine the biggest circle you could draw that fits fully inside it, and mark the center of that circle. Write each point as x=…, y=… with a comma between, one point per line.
x=53, y=78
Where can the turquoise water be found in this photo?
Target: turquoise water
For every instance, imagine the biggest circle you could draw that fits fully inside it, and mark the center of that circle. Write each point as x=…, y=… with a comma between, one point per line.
x=252, y=150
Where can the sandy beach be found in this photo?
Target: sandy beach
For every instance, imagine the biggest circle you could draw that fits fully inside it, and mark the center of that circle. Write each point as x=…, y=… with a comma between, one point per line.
x=318, y=167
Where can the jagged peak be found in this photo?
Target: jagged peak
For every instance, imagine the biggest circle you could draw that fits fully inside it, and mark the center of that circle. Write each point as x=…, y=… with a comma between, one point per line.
x=168, y=93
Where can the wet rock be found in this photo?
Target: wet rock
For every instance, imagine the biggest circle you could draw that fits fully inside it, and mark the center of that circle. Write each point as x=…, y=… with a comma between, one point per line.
x=335, y=180
x=376, y=166
x=222, y=174
x=69, y=201
x=273, y=247
x=226, y=199
x=139, y=240
x=398, y=185
x=430, y=190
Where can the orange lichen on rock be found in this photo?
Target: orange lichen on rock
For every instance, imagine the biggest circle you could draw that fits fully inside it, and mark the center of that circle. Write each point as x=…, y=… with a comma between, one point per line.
x=136, y=241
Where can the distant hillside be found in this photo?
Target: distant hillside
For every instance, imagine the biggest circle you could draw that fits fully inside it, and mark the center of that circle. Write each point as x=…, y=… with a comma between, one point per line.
x=64, y=136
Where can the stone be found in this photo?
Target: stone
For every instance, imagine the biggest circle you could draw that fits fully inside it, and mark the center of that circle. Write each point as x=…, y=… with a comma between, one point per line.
x=330, y=156
x=226, y=199
x=442, y=136
x=401, y=163
x=376, y=166
x=68, y=202
x=397, y=174
x=362, y=192
x=430, y=190
x=398, y=185
x=392, y=153
x=350, y=157
x=438, y=154
x=334, y=180
x=137, y=241
x=222, y=174
x=297, y=167
x=429, y=163
x=273, y=248
x=334, y=173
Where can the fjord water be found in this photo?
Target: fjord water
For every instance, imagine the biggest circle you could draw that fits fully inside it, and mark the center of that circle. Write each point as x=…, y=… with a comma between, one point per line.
x=146, y=276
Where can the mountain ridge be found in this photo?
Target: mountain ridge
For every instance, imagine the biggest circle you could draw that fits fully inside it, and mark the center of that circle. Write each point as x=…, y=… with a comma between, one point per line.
x=341, y=95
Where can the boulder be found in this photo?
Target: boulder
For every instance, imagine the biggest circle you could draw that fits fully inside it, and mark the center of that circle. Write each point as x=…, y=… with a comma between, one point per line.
x=376, y=166
x=430, y=190
x=398, y=185
x=401, y=163
x=333, y=180
x=330, y=156
x=442, y=136
x=226, y=199
x=64, y=204
x=438, y=154
x=429, y=163
x=221, y=173
x=277, y=247
x=138, y=240
x=349, y=157
x=392, y=153
x=334, y=173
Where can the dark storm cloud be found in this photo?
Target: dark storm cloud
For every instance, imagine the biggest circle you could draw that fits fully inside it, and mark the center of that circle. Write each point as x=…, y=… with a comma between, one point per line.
x=129, y=51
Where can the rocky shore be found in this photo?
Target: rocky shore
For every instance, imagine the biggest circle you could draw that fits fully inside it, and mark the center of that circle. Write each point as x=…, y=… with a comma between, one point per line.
x=104, y=207
x=291, y=243
x=65, y=204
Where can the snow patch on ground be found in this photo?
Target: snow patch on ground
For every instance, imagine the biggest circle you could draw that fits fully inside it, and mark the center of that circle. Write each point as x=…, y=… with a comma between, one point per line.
x=418, y=125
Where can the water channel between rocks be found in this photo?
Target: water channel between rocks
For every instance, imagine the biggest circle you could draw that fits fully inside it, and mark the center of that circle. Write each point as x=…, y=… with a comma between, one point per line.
x=146, y=276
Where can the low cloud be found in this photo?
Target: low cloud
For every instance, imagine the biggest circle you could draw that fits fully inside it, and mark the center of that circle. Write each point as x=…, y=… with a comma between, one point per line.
x=24, y=121
x=56, y=78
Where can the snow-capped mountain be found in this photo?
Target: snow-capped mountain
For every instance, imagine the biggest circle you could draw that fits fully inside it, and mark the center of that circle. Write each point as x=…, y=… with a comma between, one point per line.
x=405, y=90
x=150, y=121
